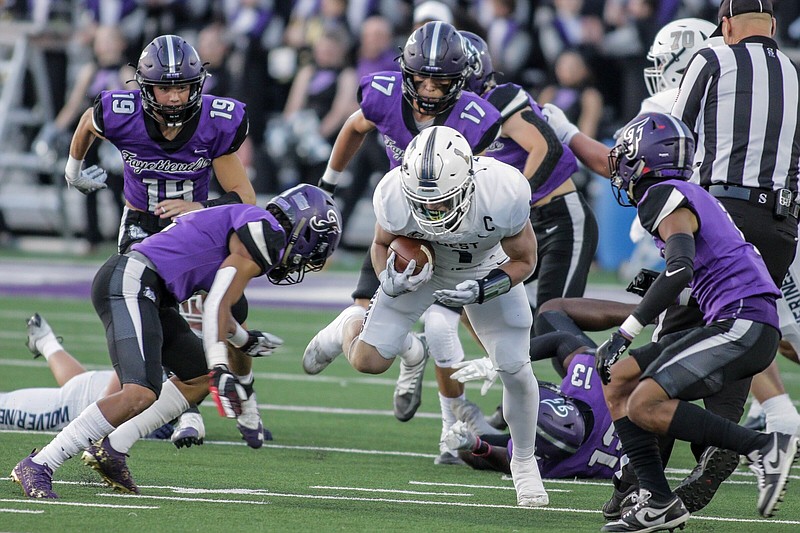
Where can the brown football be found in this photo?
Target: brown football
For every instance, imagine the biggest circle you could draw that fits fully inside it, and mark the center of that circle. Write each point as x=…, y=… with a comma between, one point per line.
x=407, y=249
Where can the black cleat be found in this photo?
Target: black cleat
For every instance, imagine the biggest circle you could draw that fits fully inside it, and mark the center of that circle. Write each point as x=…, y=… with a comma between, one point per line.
x=715, y=466
x=647, y=516
x=771, y=465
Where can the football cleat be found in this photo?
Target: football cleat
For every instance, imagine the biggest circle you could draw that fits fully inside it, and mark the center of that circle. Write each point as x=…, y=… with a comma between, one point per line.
x=408, y=390
x=447, y=458
x=496, y=419
x=38, y=329
x=715, y=466
x=528, y=483
x=36, y=480
x=646, y=515
x=472, y=416
x=771, y=465
x=326, y=345
x=620, y=502
x=756, y=423
x=161, y=433
x=249, y=424
x=189, y=430
x=111, y=465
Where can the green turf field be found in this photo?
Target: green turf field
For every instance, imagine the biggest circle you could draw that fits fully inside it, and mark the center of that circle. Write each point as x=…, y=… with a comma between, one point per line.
x=339, y=461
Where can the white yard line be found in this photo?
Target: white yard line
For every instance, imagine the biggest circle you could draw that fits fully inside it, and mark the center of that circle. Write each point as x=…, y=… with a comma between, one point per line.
x=76, y=504
x=21, y=511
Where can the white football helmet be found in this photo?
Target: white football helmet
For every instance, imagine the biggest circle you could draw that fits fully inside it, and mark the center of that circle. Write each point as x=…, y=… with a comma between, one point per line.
x=437, y=179
x=673, y=47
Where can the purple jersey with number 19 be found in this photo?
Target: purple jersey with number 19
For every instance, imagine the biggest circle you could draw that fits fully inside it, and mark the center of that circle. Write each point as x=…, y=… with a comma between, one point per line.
x=156, y=169
x=381, y=99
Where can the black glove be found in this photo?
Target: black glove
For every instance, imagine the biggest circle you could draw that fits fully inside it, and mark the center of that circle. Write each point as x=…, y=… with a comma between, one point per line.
x=641, y=283
x=260, y=343
x=226, y=391
x=609, y=353
x=327, y=187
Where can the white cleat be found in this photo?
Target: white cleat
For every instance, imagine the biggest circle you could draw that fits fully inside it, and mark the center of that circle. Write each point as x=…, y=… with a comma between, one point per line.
x=528, y=483
x=327, y=344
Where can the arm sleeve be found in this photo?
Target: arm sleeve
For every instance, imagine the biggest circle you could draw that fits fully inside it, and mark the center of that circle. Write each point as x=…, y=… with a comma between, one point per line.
x=679, y=254
x=97, y=115
x=554, y=149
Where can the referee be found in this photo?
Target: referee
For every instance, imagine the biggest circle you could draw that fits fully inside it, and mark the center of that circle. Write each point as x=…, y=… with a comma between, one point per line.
x=741, y=101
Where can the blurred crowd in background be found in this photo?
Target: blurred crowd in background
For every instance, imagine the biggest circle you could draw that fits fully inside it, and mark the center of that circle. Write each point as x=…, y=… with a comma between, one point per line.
x=296, y=63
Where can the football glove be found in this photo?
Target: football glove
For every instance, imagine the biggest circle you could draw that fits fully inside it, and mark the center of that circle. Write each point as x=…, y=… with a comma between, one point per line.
x=260, y=343
x=565, y=130
x=459, y=437
x=395, y=283
x=641, y=283
x=89, y=180
x=226, y=391
x=465, y=293
x=609, y=353
x=474, y=370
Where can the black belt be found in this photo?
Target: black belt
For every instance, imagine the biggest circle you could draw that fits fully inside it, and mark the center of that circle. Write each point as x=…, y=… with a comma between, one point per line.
x=760, y=197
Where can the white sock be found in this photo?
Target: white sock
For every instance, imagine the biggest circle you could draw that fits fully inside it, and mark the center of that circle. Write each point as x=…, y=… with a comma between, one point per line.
x=170, y=404
x=521, y=409
x=448, y=416
x=246, y=379
x=48, y=345
x=782, y=415
x=755, y=409
x=412, y=351
x=332, y=336
x=90, y=426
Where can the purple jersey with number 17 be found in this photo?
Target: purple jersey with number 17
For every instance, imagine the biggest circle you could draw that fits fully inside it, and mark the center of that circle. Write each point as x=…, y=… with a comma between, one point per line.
x=156, y=169
x=381, y=98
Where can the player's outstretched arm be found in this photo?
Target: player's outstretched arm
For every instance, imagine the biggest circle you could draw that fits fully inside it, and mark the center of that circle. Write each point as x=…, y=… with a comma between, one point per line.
x=346, y=145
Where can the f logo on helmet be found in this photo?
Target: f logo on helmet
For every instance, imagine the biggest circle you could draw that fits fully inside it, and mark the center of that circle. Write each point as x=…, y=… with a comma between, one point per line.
x=325, y=225
x=632, y=136
x=559, y=406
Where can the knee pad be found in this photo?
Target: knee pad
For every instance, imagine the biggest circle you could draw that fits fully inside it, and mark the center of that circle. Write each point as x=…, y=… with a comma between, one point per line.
x=441, y=334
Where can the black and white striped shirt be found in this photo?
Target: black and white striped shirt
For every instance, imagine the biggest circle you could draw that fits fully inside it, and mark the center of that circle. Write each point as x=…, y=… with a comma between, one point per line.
x=742, y=102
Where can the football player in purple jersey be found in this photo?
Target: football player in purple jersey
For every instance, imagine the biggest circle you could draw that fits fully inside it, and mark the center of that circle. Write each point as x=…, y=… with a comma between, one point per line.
x=565, y=226
x=574, y=435
x=172, y=138
x=427, y=91
x=217, y=250
x=649, y=393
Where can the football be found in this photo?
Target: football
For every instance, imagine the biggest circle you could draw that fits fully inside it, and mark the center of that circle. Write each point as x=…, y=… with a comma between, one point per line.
x=407, y=249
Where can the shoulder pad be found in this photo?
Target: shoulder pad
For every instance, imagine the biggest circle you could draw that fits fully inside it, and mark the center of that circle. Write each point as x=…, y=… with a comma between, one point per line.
x=263, y=243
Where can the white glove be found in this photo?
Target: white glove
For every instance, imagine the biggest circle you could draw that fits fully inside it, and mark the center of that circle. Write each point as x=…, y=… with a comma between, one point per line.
x=474, y=370
x=565, y=130
x=89, y=180
x=260, y=343
x=465, y=293
x=459, y=437
x=395, y=283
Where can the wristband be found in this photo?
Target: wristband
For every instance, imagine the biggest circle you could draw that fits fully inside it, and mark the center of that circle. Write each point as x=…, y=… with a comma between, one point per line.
x=217, y=354
x=73, y=169
x=239, y=337
x=330, y=177
x=230, y=197
x=631, y=327
x=495, y=283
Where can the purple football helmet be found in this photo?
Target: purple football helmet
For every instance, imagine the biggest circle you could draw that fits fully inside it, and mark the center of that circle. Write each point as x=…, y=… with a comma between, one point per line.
x=652, y=145
x=435, y=50
x=561, y=428
x=482, y=77
x=313, y=226
x=169, y=60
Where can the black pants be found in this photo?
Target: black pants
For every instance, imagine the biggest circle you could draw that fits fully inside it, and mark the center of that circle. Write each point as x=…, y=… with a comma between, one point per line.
x=776, y=240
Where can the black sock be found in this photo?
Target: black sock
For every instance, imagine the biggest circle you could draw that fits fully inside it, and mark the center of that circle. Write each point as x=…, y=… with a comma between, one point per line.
x=694, y=424
x=642, y=449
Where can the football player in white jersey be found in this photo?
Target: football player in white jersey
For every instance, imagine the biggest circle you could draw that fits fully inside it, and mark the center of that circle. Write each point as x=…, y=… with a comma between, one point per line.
x=52, y=408
x=475, y=213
